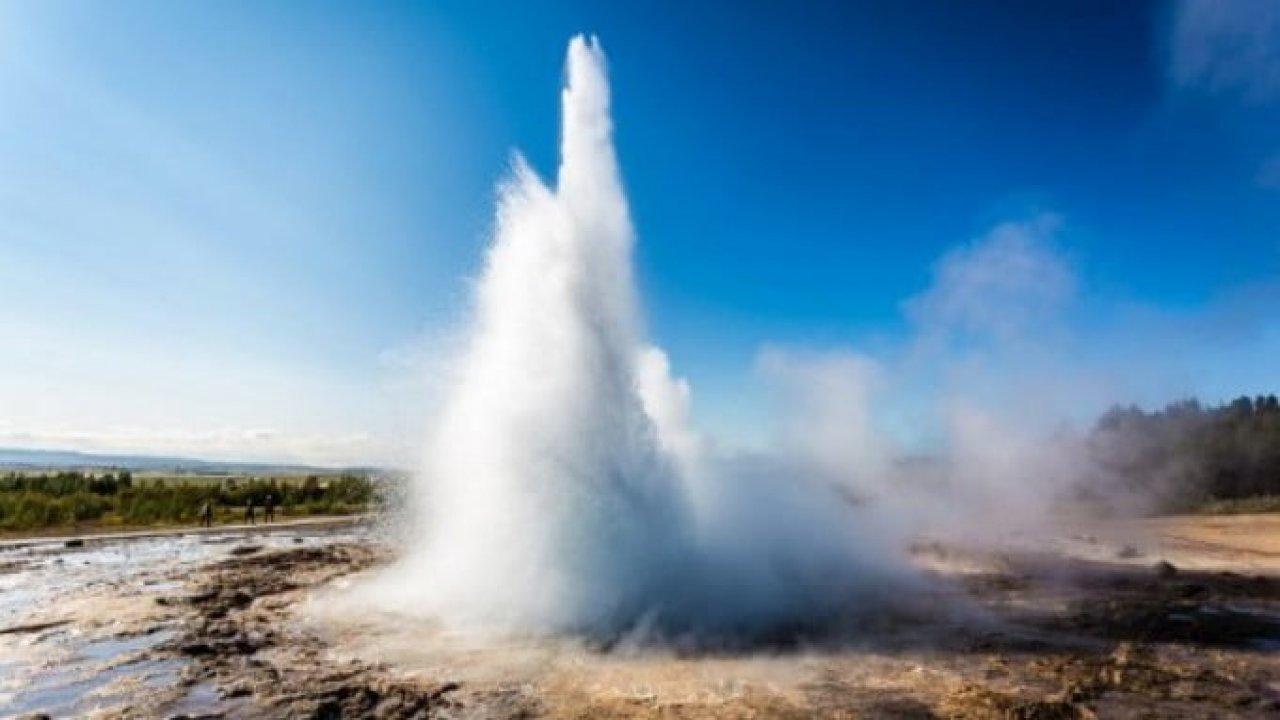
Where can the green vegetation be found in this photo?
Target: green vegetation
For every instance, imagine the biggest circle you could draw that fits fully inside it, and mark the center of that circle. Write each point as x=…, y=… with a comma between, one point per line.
x=1184, y=458
x=1188, y=457
x=1241, y=506
x=31, y=501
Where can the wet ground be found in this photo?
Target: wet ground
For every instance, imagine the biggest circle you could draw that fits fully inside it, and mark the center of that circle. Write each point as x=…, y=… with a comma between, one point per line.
x=1169, y=618
x=83, y=627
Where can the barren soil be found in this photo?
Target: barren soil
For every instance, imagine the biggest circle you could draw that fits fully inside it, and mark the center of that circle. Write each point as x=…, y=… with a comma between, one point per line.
x=1168, y=618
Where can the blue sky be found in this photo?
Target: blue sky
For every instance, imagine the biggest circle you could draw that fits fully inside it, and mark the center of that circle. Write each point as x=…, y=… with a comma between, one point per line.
x=236, y=229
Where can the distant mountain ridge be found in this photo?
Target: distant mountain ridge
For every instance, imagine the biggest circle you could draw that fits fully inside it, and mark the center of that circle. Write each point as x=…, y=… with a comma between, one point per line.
x=29, y=459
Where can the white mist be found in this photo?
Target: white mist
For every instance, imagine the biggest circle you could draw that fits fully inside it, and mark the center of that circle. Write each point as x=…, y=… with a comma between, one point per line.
x=564, y=489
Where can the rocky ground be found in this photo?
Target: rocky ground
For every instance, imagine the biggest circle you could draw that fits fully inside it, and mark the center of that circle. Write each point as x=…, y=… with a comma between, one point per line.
x=1109, y=630
x=244, y=649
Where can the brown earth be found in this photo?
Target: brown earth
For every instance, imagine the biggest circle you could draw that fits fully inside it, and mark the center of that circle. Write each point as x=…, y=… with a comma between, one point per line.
x=1099, y=626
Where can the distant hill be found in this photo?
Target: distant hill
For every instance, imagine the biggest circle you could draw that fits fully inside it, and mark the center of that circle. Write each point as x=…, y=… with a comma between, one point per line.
x=26, y=459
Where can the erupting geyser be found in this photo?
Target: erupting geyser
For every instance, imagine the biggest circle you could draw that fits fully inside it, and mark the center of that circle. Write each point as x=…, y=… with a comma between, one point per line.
x=563, y=490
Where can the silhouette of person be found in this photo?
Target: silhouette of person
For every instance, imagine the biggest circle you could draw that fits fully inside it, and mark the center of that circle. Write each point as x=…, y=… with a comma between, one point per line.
x=248, y=511
x=269, y=508
x=206, y=514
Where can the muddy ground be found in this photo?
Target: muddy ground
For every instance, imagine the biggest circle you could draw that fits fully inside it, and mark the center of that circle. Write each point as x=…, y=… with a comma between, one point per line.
x=1177, y=618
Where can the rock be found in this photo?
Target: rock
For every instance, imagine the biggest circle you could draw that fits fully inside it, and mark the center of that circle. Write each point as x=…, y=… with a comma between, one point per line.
x=32, y=627
x=201, y=597
x=1165, y=570
x=1126, y=653
x=248, y=643
x=235, y=598
x=236, y=691
x=196, y=649
x=327, y=710
x=1192, y=590
x=74, y=543
x=387, y=708
x=245, y=549
x=444, y=689
x=1128, y=551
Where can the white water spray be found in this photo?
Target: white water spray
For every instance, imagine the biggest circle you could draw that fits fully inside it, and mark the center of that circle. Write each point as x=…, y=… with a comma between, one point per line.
x=564, y=489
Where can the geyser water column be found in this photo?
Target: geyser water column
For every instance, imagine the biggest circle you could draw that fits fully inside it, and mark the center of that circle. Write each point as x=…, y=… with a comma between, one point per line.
x=549, y=504
x=563, y=489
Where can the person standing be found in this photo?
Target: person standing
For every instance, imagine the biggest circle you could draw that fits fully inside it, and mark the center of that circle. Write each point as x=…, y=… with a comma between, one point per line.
x=206, y=514
x=269, y=508
x=248, y=511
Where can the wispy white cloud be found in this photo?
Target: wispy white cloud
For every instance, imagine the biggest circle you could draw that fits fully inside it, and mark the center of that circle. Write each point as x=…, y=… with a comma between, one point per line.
x=1269, y=173
x=1010, y=325
x=1010, y=362
x=987, y=332
x=239, y=444
x=998, y=286
x=161, y=290
x=1228, y=47
x=1228, y=53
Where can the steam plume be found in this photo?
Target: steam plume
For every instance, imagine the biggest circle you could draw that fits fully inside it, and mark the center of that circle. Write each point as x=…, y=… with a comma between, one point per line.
x=564, y=488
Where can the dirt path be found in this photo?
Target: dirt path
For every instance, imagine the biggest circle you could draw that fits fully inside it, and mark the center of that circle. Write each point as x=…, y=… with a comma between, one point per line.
x=1247, y=541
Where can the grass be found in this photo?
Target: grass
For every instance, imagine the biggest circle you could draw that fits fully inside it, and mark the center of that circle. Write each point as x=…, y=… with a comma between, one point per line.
x=75, y=500
x=112, y=523
x=1241, y=506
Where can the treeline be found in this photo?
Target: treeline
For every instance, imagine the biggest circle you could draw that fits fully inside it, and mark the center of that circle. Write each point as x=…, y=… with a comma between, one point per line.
x=53, y=499
x=1187, y=455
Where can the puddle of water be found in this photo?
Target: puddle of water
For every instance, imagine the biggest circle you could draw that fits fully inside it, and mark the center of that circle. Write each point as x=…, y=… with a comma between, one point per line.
x=142, y=564
x=161, y=586
x=63, y=671
x=58, y=697
x=119, y=648
x=77, y=693
x=80, y=682
x=201, y=698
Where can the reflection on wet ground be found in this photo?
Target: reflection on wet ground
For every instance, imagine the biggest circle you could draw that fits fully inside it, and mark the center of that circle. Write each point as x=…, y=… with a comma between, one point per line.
x=98, y=675
x=78, y=624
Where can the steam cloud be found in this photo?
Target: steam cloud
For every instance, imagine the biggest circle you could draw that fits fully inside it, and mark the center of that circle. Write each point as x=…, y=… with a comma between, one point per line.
x=565, y=488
